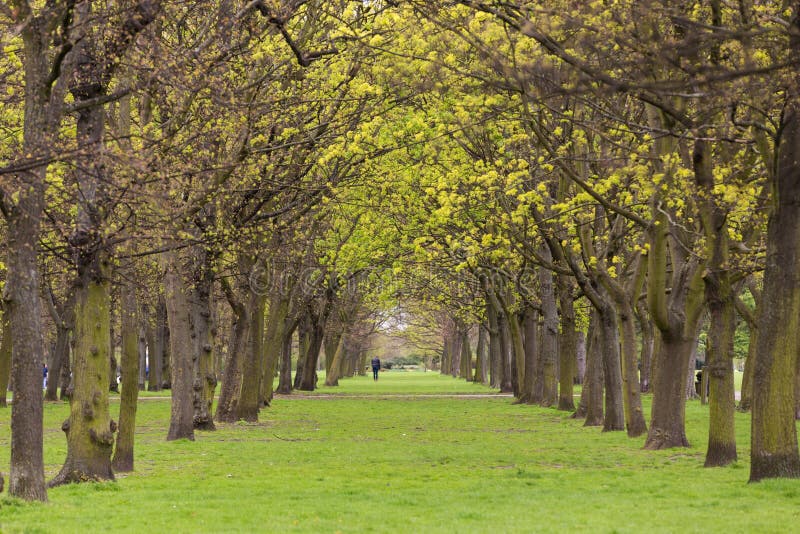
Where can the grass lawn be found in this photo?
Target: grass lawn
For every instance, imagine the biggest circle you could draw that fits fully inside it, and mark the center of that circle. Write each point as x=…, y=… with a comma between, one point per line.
x=381, y=462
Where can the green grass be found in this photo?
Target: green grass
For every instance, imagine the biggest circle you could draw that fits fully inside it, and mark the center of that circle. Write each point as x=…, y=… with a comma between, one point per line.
x=400, y=382
x=405, y=464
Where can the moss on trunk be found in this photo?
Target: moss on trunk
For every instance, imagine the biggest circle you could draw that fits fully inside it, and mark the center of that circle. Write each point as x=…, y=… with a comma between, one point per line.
x=774, y=450
x=89, y=429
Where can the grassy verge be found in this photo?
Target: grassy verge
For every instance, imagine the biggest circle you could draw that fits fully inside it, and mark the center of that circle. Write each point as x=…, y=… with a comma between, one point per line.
x=406, y=464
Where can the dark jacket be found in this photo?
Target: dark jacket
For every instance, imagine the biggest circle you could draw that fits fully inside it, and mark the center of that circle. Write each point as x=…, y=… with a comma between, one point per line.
x=376, y=363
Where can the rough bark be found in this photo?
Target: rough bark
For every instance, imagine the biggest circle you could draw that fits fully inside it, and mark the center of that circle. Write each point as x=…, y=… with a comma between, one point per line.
x=482, y=357
x=648, y=347
x=21, y=292
x=303, y=337
x=65, y=380
x=592, y=394
x=276, y=324
x=123, y=453
x=63, y=316
x=231, y=377
x=746, y=395
x=285, y=378
x=580, y=371
x=248, y=404
x=506, y=377
x=774, y=450
x=567, y=345
x=156, y=349
x=549, y=351
x=495, y=349
x=308, y=380
x=466, y=358
x=667, y=428
x=204, y=377
x=634, y=414
x=676, y=315
x=517, y=352
x=719, y=298
x=746, y=399
x=181, y=425
x=612, y=371
x=332, y=378
x=141, y=347
x=530, y=323
x=89, y=429
x=719, y=366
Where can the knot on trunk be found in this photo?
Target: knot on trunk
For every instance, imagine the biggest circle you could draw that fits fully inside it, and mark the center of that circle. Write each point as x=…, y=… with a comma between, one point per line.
x=113, y=426
x=103, y=438
x=65, y=427
x=88, y=412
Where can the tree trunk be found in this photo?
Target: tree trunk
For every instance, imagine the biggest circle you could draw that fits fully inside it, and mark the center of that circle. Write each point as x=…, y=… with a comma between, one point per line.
x=667, y=427
x=5, y=358
x=181, y=425
x=592, y=394
x=317, y=332
x=517, y=353
x=466, y=357
x=21, y=292
x=549, y=353
x=567, y=346
x=65, y=379
x=719, y=365
x=248, y=405
x=676, y=314
x=231, y=378
x=530, y=323
x=648, y=345
x=285, y=379
x=332, y=377
x=482, y=358
x=634, y=415
x=495, y=347
x=506, y=380
x=89, y=429
x=273, y=340
x=690, y=376
x=204, y=377
x=303, y=339
x=746, y=395
x=123, y=454
x=774, y=450
x=580, y=348
x=166, y=369
x=453, y=354
x=142, y=350
x=329, y=344
x=60, y=355
x=612, y=371
x=156, y=349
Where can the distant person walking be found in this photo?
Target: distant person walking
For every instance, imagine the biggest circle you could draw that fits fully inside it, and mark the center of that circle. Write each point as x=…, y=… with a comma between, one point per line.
x=376, y=366
x=44, y=377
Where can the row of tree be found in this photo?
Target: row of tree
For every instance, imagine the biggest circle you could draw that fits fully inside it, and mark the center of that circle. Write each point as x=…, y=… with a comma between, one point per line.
x=225, y=175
